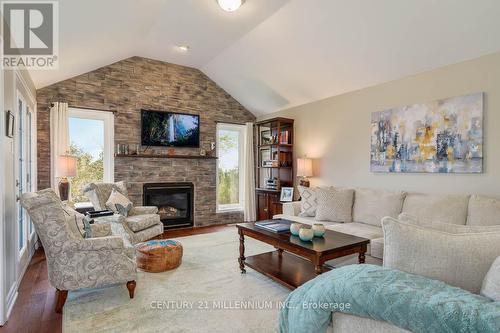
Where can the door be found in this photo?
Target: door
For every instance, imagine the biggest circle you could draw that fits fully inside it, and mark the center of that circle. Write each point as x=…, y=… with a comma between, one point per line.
x=262, y=206
x=275, y=206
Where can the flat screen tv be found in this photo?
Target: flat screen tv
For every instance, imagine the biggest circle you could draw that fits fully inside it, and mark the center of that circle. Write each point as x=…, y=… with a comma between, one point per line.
x=169, y=129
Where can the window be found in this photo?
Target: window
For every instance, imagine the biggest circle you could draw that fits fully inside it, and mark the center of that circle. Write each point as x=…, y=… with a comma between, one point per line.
x=29, y=160
x=230, y=148
x=24, y=157
x=91, y=141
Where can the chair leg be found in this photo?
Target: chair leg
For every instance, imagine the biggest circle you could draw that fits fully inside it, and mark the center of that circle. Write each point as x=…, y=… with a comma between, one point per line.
x=61, y=299
x=131, y=288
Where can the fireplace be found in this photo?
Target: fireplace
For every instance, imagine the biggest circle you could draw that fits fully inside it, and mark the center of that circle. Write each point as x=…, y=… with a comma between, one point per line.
x=174, y=202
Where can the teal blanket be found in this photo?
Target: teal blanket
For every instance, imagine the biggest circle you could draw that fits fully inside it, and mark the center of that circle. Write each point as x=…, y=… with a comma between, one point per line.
x=412, y=302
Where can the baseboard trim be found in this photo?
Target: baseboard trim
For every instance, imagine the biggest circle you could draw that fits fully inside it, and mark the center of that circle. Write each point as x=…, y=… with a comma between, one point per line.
x=14, y=290
x=11, y=300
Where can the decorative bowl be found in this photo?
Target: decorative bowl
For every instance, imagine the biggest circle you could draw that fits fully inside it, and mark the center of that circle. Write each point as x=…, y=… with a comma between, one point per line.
x=306, y=234
x=318, y=229
x=294, y=228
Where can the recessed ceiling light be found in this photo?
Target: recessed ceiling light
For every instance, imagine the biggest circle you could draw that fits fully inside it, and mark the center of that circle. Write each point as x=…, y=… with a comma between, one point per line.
x=183, y=48
x=230, y=5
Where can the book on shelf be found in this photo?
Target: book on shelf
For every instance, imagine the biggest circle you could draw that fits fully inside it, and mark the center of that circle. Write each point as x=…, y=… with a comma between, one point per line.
x=276, y=226
x=284, y=137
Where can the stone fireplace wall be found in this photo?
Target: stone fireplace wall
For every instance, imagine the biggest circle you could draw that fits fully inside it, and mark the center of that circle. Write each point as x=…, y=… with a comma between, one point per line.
x=139, y=83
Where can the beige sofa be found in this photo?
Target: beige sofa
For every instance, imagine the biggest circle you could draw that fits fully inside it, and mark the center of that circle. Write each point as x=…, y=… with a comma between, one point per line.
x=371, y=205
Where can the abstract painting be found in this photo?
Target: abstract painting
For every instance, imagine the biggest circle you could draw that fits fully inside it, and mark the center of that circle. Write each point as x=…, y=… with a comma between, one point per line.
x=444, y=136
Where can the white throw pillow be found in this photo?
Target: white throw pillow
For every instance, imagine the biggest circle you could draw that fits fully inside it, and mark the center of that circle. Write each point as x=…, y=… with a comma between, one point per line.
x=483, y=211
x=334, y=204
x=437, y=207
x=116, y=200
x=491, y=283
x=459, y=259
x=371, y=205
x=308, y=202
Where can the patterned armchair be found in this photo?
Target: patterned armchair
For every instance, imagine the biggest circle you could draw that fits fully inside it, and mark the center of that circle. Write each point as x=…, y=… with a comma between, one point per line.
x=75, y=262
x=142, y=222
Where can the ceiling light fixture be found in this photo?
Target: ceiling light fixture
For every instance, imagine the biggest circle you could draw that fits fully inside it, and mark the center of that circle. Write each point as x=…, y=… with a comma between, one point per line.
x=183, y=48
x=230, y=5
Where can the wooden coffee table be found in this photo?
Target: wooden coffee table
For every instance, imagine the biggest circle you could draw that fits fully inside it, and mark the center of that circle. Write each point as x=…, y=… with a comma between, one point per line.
x=295, y=262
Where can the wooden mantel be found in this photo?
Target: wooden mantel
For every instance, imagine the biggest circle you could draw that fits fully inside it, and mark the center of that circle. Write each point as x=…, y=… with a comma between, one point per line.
x=190, y=157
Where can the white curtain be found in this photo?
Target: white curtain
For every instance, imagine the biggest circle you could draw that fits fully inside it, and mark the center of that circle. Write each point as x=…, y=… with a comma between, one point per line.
x=59, y=138
x=249, y=175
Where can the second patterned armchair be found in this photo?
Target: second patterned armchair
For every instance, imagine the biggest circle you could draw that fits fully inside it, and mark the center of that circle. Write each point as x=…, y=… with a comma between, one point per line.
x=142, y=222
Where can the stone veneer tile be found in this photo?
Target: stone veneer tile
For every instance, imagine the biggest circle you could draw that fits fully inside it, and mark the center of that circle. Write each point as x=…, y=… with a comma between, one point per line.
x=139, y=83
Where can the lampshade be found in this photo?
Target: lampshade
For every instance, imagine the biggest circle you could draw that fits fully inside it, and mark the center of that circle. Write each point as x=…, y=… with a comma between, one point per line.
x=304, y=167
x=66, y=166
x=230, y=5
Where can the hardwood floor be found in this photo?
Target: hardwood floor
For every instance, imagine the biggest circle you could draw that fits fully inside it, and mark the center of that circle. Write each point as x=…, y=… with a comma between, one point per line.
x=34, y=308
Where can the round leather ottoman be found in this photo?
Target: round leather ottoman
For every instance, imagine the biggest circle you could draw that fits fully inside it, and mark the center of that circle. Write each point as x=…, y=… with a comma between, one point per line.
x=158, y=255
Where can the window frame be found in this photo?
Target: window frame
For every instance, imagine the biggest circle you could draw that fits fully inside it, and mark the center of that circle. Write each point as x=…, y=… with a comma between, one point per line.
x=228, y=208
x=109, y=137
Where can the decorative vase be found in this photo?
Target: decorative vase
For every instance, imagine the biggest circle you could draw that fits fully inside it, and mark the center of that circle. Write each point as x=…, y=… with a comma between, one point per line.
x=306, y=234
x=295, y=228
x=318, y=229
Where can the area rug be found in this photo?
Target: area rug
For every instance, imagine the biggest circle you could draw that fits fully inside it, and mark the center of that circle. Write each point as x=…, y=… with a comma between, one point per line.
x=207, y=293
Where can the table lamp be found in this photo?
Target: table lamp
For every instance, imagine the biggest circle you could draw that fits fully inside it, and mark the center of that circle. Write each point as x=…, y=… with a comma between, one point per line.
x=304, y=170
x=66, y=167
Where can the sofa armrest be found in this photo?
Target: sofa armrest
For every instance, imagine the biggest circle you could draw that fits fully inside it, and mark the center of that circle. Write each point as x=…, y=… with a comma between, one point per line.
x=141, y=210
x=100, y=243
x=291, y=208
x=100, y=229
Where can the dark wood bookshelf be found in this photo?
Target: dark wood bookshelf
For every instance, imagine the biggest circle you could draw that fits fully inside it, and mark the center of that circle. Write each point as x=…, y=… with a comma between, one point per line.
x=274, y=143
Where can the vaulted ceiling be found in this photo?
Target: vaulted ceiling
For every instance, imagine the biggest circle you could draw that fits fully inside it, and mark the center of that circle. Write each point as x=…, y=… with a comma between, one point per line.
x=275, y=54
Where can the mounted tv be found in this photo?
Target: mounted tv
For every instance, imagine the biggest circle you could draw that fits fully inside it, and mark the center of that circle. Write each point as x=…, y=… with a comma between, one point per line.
x=169, y=129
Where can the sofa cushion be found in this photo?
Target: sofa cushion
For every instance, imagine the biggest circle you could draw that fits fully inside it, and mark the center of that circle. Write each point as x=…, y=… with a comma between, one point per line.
x=308, y=202
x=302, y=219
x=447, y=227
x=140, y=222
x=358, y=229
x=334, y=204
x=436, y=207
x=371, y=205
x=377, y=248
x=346, y=323
x=491, y=283
x=292, y=208
x=460, y=259
x=483, y=211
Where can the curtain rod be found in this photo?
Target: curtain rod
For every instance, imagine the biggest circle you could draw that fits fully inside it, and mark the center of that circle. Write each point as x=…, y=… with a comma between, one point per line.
x=87, y=108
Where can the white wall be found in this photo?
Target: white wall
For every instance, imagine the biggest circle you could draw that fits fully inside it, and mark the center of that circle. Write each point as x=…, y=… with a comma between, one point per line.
x=336, y=131
x=2, y=182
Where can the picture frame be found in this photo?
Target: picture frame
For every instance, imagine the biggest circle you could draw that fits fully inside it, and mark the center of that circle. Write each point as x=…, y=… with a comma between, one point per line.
x=9, y=124
x=286, y=194
x=265, y=137
x=440, y=136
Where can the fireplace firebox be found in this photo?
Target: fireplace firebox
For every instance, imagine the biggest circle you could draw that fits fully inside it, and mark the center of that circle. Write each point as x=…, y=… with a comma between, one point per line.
x=174, y=202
